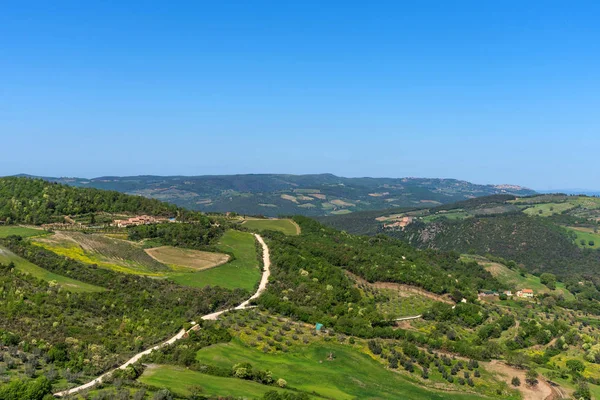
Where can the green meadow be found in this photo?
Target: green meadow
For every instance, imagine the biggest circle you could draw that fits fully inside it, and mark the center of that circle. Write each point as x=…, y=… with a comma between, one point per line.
x=350, y=375
x=286, y=226
x=27, y=267
x=20, y=231
x=547, y=209
x=182, y=382
x=241, y=272
x=587, y=235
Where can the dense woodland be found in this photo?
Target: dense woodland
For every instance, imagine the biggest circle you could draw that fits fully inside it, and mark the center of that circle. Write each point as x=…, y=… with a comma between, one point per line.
x=538, y=243
x=35, y=201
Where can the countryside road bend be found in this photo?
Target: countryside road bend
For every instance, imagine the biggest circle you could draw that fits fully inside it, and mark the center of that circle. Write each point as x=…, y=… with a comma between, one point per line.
x=213, y=316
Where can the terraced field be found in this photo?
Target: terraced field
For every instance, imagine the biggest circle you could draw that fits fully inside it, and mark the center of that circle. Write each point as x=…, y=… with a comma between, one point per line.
x=27, y=267
x=110, y=253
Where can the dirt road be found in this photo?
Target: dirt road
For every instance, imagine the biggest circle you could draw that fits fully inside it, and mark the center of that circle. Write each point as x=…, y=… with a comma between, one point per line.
x=541, y=391
x=213, y=316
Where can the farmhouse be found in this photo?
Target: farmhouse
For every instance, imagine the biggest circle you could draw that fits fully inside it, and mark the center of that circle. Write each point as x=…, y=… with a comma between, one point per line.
x=525, y=293
x=139, y=220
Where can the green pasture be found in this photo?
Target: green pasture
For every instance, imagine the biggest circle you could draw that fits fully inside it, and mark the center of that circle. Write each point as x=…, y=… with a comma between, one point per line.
x=547, y=209
x=182, y=381
x=242, y=272
x=587, y=235
x=350, y=375
x=27, y=267
x=286, y=226
x=8, y=230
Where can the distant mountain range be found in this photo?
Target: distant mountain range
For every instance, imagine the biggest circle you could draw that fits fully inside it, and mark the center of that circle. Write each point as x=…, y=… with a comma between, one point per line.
x=279, y=194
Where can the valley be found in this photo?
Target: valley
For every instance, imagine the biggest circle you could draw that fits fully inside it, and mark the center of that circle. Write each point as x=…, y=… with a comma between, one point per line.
x=190, y=305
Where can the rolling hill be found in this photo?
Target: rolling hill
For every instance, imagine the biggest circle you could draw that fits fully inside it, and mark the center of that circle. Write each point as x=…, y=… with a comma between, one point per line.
x=279, y=194
x=545, y=233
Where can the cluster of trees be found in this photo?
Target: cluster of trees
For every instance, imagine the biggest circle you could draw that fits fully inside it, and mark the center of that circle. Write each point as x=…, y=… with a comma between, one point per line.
x=35, y=389
x=414, y=360
x=35, y=201
x=195, y=235
x=465, y=314
x=533, y=331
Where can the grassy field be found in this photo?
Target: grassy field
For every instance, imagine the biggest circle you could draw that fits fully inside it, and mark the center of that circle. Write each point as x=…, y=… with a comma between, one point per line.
x=181, y=381
x=453, y=215
x=587, y=235
x=21, y=231
x=187, y=259
x=25, y=266
x=514, y=278
x=114, y=254
x=286, y=226
x=548, y=209
x=350, y=375
x=242, y=272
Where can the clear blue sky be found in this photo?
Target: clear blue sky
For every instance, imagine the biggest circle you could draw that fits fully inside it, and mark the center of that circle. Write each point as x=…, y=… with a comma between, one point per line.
x=487, y=91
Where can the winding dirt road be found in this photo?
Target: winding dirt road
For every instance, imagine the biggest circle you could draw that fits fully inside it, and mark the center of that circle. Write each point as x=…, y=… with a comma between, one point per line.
x=213, y=316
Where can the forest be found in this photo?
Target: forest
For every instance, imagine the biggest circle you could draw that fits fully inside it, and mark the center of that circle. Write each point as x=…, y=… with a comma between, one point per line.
x=36, y=201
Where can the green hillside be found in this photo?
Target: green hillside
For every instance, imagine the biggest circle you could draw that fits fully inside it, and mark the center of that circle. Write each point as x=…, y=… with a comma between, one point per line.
x=80, y=301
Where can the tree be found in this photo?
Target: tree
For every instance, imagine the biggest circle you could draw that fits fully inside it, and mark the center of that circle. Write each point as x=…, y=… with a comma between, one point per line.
x=583, y=391
x=549, y=280
x=575, y=366
x=281, y=382
x=591, y=243
x=531, y=377
x=515, y=381
x=163, y=394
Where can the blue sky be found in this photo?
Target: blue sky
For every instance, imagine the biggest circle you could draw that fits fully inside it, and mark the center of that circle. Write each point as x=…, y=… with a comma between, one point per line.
x=491, y=92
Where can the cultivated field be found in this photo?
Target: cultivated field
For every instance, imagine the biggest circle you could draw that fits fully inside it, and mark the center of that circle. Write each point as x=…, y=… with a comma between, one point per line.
x=180, y=258
x=241, y=272
x=27, y=267
x=286, y=226
x=115, y=254
x=20, y=231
